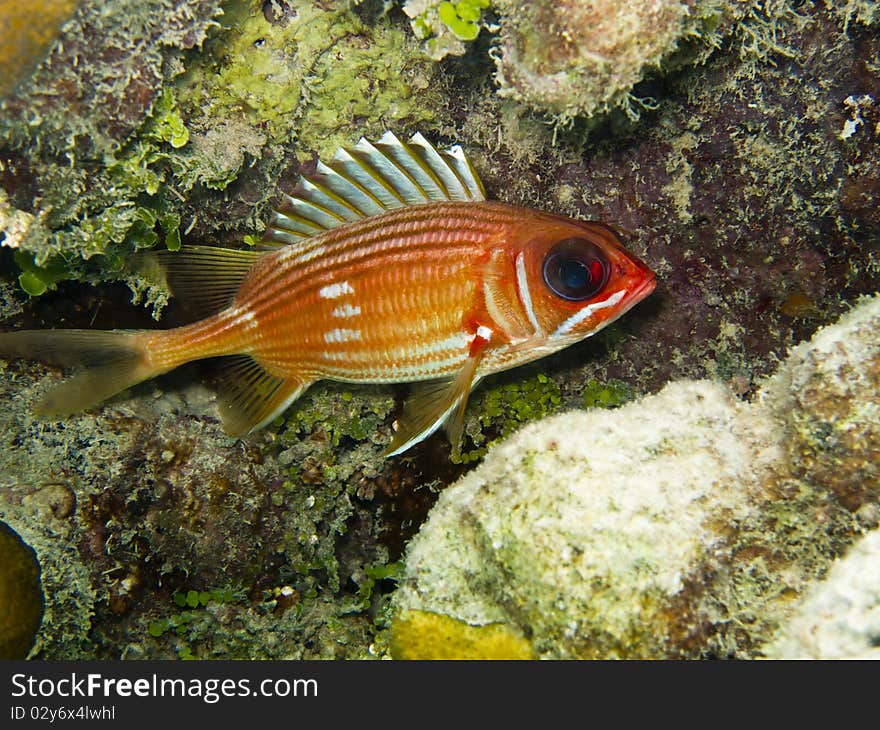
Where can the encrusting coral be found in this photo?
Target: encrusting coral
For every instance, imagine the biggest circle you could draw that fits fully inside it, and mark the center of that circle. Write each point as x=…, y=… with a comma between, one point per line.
x=685, y=524
x=571, y=58
x=150, y=110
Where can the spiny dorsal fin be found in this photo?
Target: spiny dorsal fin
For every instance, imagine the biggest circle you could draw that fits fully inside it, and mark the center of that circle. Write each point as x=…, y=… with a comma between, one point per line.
x=204, y=278
x=371, y=178
x=250, y=397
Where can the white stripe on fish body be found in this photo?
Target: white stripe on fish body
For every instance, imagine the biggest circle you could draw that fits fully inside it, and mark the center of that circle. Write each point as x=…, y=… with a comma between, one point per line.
x=244, y=317
x=453, y=349
x=424, y=361
x=392, y=373
x=336, y=290
x=345, y=311
x=342, y=335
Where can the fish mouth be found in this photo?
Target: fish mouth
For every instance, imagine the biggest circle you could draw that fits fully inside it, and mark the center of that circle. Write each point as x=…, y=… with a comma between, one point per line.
x=642, y=290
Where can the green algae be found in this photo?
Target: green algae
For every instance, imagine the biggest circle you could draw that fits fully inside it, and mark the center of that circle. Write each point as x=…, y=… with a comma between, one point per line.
x=327, y=442
x=139, y=210
x=499, y=409
x=606, y=394
x=463, y=17
x=503, y=407
x=446, y=28
x=306, y=74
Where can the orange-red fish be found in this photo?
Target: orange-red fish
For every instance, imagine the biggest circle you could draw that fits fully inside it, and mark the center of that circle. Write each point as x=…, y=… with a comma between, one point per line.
x=389, y=266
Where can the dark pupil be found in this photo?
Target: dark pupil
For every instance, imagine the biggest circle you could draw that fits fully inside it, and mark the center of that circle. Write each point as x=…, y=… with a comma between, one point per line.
x=575, y=269
x=573, y=274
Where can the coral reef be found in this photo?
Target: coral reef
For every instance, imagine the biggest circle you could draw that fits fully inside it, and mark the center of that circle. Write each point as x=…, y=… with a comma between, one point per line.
x=21, y=598
x=143, y=501
x=574, y=59
x=751, y=189
x=70, y=164
x=685, y=524
x=577, y=59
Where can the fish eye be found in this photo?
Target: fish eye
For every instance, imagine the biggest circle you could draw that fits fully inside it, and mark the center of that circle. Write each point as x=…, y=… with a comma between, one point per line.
x=575, y=269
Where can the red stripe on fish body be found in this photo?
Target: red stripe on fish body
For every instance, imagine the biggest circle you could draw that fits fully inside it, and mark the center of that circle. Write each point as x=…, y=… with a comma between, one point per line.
x=397, y=297
x=393, y=298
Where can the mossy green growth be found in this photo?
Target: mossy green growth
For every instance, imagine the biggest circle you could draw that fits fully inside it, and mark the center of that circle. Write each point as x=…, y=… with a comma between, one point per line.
x=166, y=124
x=375, y=574
x=463, y=17
x=340, y=414
x=36, y=280
x=606, y=394
x=134, y=211
x=503, y=407
x=313, y=74
x=190, y=602
x=328, y=441
x=447, y=28
x=195, y=599
x=21, y=595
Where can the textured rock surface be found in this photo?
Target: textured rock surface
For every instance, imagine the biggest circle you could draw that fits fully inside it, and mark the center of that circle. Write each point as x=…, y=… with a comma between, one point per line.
x=840, y=618
x=131, y=508
x=577, y=59
x=682, y=525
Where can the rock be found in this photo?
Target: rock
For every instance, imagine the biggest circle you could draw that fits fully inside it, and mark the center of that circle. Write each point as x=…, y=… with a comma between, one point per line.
x=686, y=524
x=840, y=619
x=573, y=58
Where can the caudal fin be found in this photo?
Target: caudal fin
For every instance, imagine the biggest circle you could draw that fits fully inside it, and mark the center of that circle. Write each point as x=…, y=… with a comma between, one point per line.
x=110, y=362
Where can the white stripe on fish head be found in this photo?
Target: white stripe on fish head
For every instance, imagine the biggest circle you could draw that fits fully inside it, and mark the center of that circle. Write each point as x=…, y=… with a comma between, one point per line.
x=522, y=285
x=568, y=325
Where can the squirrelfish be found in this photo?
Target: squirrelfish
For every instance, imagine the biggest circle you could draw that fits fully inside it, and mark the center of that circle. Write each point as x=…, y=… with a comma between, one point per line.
x=388, y=265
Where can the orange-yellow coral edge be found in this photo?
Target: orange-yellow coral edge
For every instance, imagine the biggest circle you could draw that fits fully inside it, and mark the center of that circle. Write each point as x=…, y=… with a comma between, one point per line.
x=388, y=265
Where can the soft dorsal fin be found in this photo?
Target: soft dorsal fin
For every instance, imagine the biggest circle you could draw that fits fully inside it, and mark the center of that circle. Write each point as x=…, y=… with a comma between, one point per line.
x=204, y=278
x=371, y=178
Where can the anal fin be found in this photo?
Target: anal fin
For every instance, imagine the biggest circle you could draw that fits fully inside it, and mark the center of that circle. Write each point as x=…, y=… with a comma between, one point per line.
x=252, y=398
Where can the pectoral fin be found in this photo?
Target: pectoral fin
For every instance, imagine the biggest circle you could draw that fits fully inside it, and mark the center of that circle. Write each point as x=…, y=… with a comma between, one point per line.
x=436, y=402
